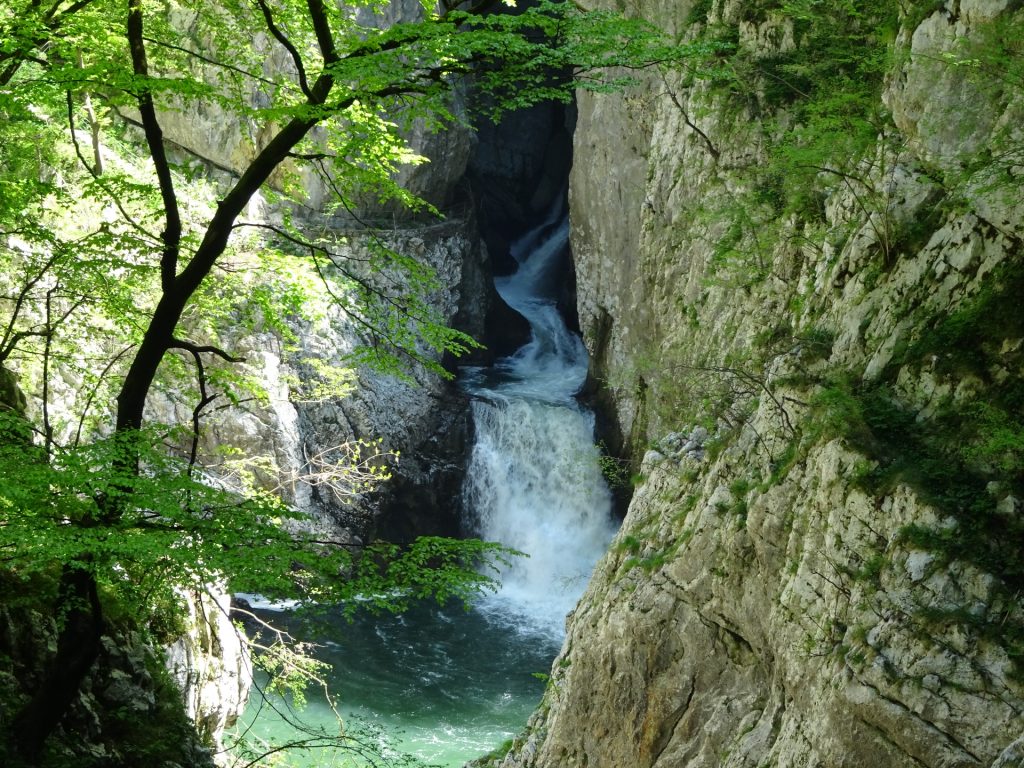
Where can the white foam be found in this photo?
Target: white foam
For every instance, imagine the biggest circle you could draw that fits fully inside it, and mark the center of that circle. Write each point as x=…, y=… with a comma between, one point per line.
x=534, y=481
x=261, y=603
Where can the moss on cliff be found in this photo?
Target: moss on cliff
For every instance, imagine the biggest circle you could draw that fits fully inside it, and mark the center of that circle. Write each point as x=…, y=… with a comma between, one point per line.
x=129, y=711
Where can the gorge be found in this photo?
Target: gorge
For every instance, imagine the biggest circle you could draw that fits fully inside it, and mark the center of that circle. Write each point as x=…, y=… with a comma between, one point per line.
x=797, y=258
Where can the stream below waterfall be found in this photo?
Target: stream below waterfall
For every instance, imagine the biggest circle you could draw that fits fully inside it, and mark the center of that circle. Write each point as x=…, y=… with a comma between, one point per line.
x=444, y=684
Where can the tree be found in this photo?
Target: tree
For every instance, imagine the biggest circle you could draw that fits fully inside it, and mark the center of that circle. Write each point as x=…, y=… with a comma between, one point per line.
x=107, y=511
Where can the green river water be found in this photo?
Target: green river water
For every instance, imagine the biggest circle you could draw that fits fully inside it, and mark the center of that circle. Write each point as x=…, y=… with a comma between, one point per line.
x=442, y=685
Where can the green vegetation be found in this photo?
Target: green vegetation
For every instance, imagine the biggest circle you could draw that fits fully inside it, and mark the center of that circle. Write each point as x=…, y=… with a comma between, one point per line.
x=615, y=470
x=820, y=122
x=642, y=554
x=808, y=94
x=495, y=756
x=740, y=488
x=129, y=271
x=965, y=456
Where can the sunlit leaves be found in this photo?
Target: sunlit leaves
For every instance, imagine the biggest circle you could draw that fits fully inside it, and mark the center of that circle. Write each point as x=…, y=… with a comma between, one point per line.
x=385, y=80
x=91, y=248
x=170, y=528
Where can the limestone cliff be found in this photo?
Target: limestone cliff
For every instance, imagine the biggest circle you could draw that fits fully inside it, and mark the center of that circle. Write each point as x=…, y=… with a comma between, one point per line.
x=129, y=709
x=820, y=565
x=210, y=663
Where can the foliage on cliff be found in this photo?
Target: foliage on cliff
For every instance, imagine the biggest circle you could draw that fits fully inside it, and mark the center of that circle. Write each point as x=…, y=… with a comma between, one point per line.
x=815, y=75
x=822, y=267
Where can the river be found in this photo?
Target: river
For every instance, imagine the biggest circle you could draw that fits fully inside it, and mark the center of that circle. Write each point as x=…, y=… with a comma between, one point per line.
x=443, y=684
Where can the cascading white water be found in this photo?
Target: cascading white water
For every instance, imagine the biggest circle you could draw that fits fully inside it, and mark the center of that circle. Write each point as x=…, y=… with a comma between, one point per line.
x=534, y=481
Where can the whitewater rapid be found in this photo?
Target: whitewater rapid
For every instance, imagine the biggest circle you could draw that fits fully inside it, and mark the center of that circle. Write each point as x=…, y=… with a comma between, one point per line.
x=534, y=481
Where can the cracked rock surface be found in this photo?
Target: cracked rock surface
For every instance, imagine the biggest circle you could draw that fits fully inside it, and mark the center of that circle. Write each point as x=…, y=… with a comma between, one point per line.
x=747, y=616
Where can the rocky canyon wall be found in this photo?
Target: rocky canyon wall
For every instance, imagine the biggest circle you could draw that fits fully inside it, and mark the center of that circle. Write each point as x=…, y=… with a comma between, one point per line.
x=820, y=564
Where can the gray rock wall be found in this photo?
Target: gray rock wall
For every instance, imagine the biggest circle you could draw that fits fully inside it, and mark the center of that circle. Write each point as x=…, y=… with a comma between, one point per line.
x=763, y=604
x=128, y=708
x=210, y=663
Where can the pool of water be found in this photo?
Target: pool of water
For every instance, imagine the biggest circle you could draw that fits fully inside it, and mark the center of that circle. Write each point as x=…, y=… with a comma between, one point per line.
x=442, y=685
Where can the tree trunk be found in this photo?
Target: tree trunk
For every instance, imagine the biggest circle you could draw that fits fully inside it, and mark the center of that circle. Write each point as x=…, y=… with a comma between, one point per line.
x=77, y=649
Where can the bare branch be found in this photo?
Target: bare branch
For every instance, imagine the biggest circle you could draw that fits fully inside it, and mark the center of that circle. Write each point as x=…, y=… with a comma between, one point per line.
x=345, y=470
x=196, y=349
x=282, y=38
x=686, y=118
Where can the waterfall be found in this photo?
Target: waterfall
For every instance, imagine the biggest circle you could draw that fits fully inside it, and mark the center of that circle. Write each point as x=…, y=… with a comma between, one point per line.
x=534, y=481
x=449, y=685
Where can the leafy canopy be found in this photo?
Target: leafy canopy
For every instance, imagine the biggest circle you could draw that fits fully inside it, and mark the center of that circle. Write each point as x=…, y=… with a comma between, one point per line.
x=131, y=279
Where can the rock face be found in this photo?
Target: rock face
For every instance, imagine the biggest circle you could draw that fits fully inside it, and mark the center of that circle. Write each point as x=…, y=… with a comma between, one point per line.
x=128, y=710
x=210, y=664
x=797, y=581
x=424, y=419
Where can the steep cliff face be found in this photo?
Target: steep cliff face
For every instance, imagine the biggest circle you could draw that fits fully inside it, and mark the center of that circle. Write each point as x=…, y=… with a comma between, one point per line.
x=129, y=710
x=211, y=666
x=424, y=420
x=821, y=562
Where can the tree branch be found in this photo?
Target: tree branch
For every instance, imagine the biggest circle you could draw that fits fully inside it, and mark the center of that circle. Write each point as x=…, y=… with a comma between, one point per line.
x=686, y=118
x=52, y=22
x=69, y=98
x=11, y=338
x=282, y=38
x=92, y=393
x=47, y=346
x=171, y=236
x=196, y=349
x=94, y=123
x=322, y=29
x=207, y=60
x=204, y=400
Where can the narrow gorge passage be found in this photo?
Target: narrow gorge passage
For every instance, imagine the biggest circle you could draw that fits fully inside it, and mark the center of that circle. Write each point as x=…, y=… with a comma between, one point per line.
x=446, y=685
